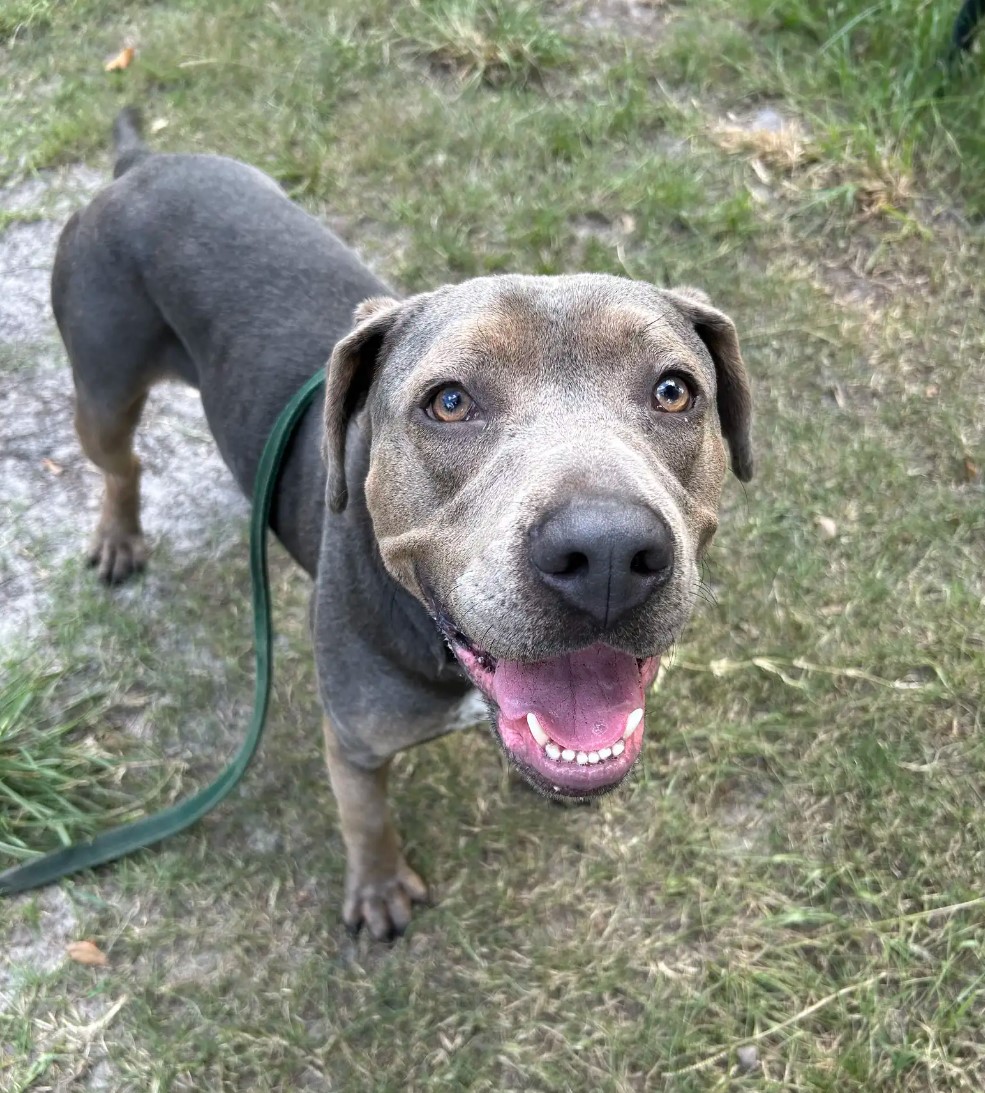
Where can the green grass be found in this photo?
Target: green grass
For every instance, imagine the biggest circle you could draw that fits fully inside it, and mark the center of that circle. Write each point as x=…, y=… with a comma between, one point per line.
x=63, y=775
x=495, y=42
x=50, y=781
x=866, y=78
x=797, y=867
x=21, y=18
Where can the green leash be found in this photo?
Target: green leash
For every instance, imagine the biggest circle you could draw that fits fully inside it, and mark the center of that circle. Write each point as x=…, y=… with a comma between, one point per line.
x=151, y=829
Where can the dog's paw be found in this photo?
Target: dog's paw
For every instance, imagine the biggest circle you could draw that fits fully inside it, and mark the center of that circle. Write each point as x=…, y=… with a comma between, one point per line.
x=382, y=903
x=117, y=554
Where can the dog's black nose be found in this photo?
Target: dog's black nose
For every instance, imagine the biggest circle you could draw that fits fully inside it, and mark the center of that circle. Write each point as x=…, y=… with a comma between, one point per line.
x=602, y=555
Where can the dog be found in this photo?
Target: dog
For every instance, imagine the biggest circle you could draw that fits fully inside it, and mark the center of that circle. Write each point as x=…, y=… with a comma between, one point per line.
x=507, y=486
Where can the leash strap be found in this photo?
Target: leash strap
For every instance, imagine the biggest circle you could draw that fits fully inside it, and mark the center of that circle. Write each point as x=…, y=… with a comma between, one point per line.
x=151, y=829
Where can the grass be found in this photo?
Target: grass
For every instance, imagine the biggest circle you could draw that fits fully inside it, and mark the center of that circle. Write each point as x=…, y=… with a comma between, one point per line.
x=21, y=18
x=47, y=783
x=54, y=781
x=495, y=42
x=788, y=896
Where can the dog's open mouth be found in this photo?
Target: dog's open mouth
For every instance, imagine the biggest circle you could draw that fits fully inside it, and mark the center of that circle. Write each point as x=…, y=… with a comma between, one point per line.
x=572, y=724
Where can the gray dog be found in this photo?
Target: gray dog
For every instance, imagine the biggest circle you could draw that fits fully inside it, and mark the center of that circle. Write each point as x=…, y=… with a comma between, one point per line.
x=508, y=485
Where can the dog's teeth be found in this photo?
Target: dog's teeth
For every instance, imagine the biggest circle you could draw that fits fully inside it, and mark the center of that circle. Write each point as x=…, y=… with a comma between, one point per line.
x=536, y=731
x=604, y=753
x=567, y=755
x=593, y=757
x=632, y=723
x=553, y=751
x=619, y=748
x=581, y=758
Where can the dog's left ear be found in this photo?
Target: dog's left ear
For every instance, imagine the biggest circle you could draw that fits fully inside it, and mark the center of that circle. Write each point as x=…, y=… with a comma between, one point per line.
x=351, y=370
x=734, y=399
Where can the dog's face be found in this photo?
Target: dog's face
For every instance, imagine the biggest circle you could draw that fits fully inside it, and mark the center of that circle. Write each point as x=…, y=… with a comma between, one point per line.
x=546, y=459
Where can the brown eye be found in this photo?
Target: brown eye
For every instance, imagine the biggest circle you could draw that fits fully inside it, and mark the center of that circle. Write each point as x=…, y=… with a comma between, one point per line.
x=673, y=395
x=451, y=404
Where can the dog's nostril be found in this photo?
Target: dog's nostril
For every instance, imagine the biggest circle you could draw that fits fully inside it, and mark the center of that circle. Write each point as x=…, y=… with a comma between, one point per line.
x=574, y=563
x=647, y=563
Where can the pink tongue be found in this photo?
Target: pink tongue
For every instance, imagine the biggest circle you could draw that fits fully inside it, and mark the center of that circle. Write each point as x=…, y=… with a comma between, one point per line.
x=581, y=700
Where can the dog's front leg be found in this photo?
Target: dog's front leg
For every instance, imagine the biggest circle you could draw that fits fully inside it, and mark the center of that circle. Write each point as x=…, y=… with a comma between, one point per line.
x=380, y=886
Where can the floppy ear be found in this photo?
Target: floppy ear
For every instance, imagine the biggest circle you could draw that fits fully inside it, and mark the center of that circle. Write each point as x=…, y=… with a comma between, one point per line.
x=351, y=370
x=734, y=399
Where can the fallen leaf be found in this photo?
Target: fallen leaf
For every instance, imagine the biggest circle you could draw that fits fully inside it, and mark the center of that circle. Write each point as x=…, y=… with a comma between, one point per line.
x=122, y=60
x=970, y=469
x=52, y=467
x=826, y=527
x=86, y=952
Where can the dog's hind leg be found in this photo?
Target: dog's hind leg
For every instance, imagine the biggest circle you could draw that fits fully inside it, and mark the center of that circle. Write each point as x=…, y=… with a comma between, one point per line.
x=108, y=405
x=119, y=346
x=106, y=434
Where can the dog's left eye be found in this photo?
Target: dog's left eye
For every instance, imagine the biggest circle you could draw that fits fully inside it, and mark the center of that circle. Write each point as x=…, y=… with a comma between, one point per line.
x=451, y=404
x=673, y=395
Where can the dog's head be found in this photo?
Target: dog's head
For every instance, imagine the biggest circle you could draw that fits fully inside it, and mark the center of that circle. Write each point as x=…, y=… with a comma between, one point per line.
x=546, y=459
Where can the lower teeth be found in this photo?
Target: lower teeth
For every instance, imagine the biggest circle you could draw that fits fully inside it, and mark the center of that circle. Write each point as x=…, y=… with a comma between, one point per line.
x=582, y=758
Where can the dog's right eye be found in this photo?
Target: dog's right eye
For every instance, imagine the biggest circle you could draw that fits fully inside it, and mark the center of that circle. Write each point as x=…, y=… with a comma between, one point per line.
x=451, y=404
x=673, y=394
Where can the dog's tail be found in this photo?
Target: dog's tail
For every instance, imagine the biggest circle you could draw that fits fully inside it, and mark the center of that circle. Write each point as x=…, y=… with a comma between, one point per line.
x=128, y=140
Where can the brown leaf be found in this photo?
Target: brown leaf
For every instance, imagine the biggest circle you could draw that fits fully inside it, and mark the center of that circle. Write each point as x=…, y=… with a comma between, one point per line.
x=122, y=60
x=86, y=952
x=970, y=468
x=52, y=467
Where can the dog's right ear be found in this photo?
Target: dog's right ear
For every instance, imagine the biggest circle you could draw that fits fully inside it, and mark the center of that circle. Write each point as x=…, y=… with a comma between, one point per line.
x=351, y=371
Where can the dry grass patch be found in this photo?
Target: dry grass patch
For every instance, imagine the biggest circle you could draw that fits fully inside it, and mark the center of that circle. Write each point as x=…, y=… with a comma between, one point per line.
x=784, y=156
x=770, y=142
